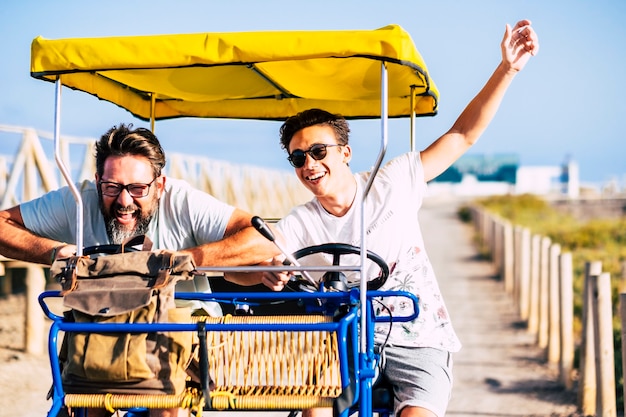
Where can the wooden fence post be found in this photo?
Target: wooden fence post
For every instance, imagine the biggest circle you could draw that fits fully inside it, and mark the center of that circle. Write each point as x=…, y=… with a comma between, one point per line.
x=544, y=290
x=478, y=217
x=554, y=334
x=484, y=229
x=533, y=311
x=488, y=233
x=34, y=325
x=517, y=254
x=605, y=355
x=566, y=363
x=508, y=257
x=622, y=315
x=587, y=388
x=524, y=272
x=474, y=219
x=497, y=245
x=6, y=279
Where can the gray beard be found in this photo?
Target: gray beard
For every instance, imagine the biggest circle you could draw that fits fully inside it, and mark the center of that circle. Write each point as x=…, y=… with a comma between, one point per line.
x=119, y=235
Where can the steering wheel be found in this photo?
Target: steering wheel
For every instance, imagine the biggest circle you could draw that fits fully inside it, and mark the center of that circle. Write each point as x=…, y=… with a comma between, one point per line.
x=339, y=249
x=127, y=246
x=335, y=249
x=107, y=249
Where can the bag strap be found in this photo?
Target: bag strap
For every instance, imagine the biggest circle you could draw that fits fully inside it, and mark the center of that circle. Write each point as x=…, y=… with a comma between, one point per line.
x=137, y=240
x=163, y=275
x=68, y=279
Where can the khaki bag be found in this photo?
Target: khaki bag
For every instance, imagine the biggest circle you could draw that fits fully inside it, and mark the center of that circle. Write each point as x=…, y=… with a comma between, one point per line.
x=131, y=287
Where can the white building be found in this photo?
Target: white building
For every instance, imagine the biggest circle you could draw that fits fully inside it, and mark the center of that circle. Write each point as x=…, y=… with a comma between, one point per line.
x=483, y=176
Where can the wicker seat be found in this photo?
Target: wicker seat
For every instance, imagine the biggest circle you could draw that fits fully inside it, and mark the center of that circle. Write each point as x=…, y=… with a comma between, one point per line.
x=277, y=369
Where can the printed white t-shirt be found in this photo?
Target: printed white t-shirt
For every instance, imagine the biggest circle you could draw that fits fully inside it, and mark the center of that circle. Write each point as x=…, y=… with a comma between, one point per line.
x=393, y=232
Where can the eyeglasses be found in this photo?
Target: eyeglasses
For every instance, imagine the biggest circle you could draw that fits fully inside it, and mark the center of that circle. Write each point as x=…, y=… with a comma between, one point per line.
x=318, y=152
x=136, y=190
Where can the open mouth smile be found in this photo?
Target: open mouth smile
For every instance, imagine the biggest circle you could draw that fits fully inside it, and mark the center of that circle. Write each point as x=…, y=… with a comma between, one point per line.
x=316, y=177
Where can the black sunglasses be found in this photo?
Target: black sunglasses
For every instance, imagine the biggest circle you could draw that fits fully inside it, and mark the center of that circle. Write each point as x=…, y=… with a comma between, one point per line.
x=317, y=152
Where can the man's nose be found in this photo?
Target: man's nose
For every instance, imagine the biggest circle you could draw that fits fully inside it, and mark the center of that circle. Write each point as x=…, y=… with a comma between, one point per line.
x=308, y=161
x=124, y=198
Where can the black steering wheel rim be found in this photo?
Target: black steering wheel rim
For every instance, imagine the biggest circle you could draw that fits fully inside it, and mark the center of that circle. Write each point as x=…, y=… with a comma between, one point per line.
x=109, y=249
x=338, y=249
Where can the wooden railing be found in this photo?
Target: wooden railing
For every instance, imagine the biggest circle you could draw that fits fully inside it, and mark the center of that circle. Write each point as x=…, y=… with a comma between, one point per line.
x=538, y=276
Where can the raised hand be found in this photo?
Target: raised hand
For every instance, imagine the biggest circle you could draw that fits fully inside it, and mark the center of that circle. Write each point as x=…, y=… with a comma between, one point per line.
x=519, y=44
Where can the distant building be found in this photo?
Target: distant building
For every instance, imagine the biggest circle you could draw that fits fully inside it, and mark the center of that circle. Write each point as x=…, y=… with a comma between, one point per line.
x=481, y=175
x=539, y=180
x=486, y=168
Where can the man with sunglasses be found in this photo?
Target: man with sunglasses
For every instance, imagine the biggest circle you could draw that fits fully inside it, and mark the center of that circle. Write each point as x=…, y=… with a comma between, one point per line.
x=416, y=356
x=131, y=196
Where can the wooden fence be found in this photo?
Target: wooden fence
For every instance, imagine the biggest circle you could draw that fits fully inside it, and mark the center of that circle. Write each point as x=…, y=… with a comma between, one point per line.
x=31, y=171
x=538, y=275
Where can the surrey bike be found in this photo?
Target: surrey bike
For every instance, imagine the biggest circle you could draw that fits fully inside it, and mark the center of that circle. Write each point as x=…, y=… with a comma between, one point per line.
x=323, y=355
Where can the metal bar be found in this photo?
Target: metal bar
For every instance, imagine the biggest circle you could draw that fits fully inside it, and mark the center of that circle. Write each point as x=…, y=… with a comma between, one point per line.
x=412, y=133
x=64, y=170
x=368, y=186
x=152, y=111
x=279, y=268
x=366, y=351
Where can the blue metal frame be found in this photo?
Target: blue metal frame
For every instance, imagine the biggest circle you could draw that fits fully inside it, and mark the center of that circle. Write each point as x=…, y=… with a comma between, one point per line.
x=347, y=328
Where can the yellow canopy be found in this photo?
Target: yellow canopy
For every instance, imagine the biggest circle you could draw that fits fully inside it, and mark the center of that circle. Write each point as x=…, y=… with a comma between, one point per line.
x=246, y=75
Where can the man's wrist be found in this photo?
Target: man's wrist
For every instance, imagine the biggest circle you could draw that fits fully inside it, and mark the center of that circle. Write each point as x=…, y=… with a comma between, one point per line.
x=55, y=251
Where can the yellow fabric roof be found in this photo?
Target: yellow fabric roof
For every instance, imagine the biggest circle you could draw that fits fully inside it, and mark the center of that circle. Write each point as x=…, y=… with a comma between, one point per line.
x=247, y=75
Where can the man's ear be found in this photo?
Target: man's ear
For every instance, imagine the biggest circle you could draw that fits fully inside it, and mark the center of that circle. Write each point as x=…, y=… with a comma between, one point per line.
x=160, y=183
x=347, y=153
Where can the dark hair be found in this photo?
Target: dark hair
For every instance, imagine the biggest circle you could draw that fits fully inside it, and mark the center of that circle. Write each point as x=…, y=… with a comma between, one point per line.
x=314, y=117
x=124, y=140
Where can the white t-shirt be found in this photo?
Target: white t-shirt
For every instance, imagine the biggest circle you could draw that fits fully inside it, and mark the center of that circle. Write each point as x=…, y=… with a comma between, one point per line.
x=393, y=232
x=186, y=217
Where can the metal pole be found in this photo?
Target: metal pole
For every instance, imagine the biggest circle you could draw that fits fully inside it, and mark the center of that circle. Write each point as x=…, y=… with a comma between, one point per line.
x=366, y=352
x=412, y=118
x=65, y=171
x=152, y=111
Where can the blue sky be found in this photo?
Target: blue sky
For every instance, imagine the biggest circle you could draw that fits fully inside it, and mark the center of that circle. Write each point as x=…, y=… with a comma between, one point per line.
x=568, y=102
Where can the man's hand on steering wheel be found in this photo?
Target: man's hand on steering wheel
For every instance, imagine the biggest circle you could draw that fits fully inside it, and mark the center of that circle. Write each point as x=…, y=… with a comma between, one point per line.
x=63, y=251
x=276, y=281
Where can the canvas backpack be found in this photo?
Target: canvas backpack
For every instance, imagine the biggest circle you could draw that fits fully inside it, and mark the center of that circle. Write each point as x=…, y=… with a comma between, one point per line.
x=131, y=287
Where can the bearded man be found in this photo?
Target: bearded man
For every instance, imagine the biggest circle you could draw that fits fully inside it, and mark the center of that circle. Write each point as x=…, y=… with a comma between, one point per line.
x=131, y=196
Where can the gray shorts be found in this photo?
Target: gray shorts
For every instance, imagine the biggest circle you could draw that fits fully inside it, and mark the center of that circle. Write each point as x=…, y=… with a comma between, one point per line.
x=421, y=377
